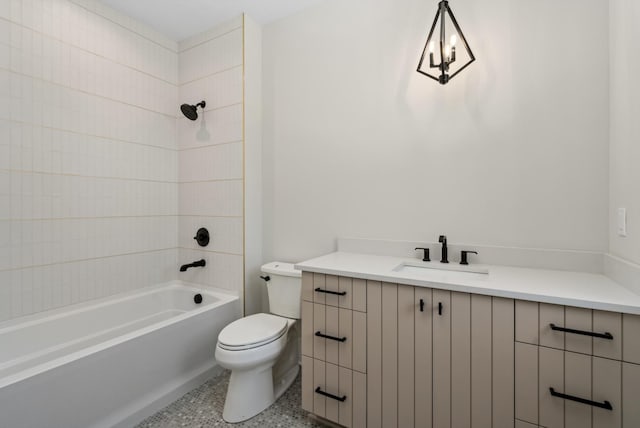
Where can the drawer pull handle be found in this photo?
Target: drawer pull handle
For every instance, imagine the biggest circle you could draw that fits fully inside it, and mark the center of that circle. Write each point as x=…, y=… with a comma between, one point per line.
x=421, y=305
x=605, y=405
x=320, y=290
x=326, y=394
x=605, y=335
x=339, y=339
x=439, y=308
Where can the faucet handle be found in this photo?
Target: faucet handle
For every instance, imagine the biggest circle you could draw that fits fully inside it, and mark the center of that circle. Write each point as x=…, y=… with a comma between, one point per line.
x=463, y=256
x=425, y=258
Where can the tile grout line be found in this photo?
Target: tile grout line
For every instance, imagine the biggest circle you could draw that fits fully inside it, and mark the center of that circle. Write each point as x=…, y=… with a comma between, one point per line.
x=66, y=262
x=179, y=51
x=124, y=27
x=82, y=91
x=113, y=61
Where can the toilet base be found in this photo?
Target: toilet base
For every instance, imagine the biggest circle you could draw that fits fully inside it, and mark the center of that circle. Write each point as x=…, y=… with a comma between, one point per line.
x=286, y=381
x=250, y=393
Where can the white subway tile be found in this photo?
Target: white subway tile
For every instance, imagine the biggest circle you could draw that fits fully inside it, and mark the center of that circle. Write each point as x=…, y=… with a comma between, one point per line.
x=217, y=198
x=211, y=163
x=216, y=127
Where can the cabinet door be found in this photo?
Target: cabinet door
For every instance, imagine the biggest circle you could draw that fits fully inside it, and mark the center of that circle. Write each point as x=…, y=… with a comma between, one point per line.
x=406, y=362
x=551, y=376
x=307, y=328
x=389, y=355
x=581, y=384
x=374, y=354
x=503, y=362
x=481, y=337
x=319, y=324
x=461, y=360
x=631, y=332
x=577, y=379
x=630, y=394
x=607, y=385
x=551, y=314
x=441, y=358
x=526, y=391
x=423, y=357
x=578, y=319
x=609, y=322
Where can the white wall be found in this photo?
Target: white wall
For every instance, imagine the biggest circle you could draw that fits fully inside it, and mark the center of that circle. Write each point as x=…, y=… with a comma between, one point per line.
x=512, y=152
x=625, y=127
x=211, y=156
x=88, y=163
x=255, y=290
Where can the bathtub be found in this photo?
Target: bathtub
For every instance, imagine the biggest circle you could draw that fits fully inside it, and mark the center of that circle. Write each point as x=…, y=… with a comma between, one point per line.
x=110, y=362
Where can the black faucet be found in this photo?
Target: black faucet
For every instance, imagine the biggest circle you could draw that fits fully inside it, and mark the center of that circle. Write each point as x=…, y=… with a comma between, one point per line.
x=443, y=241
x=463, y=256
x=199, y=263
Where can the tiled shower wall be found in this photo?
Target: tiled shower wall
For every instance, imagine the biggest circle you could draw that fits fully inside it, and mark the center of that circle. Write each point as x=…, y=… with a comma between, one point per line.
x=89, y=159
x=211, y=155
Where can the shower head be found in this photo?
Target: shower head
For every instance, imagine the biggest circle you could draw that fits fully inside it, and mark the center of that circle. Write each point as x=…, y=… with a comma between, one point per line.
x=191, y=111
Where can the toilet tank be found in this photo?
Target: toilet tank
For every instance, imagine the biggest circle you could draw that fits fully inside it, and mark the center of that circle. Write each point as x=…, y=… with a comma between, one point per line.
x=284, y=288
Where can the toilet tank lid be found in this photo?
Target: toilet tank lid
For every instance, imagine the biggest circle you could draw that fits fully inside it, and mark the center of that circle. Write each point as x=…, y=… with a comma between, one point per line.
x=280, y=268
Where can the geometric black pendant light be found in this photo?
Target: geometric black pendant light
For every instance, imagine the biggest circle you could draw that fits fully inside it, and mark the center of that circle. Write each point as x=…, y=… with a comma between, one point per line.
x=449, y=61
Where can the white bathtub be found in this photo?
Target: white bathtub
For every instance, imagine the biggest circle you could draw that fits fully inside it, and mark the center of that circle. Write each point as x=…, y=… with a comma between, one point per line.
x=109, y=362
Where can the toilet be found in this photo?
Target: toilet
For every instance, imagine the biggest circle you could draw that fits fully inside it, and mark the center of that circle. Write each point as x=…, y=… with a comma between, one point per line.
x=261, y=350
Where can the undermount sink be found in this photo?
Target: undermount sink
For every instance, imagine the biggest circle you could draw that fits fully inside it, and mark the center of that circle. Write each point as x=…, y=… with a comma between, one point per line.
x=426, y=268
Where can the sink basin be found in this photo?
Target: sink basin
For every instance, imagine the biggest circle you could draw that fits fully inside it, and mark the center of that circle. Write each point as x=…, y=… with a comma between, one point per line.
x=426, y=268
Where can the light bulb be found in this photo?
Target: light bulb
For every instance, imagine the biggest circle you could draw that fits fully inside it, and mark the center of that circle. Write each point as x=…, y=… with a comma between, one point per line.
x=432, y=46
x=447, y=51
x=454, y=40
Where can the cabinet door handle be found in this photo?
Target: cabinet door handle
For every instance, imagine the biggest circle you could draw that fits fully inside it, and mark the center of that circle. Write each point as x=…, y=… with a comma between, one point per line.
x=320, y=290
x=439, y=308
x=605, y=335
x=338, y=339
x=421, y=305
x=606, y=405
x=326, y=394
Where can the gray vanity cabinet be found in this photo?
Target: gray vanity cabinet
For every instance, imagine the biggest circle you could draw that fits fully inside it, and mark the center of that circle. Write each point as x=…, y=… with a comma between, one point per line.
x=334, y=359
x=454, y=364
x=426, y=357
x=576, y=367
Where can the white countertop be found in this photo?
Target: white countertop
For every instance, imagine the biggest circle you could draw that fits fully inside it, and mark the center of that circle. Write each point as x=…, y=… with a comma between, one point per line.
x=580, y=289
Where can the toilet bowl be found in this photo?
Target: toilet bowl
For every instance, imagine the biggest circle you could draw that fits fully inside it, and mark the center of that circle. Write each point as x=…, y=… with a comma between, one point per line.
x=261, y=350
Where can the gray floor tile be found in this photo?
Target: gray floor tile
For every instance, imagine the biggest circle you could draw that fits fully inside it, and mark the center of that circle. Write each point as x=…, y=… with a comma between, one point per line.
x=203, y=406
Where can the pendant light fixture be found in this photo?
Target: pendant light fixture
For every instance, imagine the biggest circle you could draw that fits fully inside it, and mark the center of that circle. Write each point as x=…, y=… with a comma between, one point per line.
x=441, y=51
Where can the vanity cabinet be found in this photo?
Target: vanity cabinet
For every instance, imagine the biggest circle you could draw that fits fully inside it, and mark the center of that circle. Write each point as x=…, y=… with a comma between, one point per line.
x=334, y=346
x=412, y=356
x=448, y=365
x=405, y=356
x=576, y=367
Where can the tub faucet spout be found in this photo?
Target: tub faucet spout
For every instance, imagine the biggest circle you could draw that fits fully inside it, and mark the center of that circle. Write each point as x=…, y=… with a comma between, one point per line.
x=199, y=263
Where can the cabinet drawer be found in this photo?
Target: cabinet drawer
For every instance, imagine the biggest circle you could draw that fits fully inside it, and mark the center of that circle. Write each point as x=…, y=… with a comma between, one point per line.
x=556, y=388
x=334, y=393
x=342, y=292
x=631, y=337
x=585, y=331
x=335, y=335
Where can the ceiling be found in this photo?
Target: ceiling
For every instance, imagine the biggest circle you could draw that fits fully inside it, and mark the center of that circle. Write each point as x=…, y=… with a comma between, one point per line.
x=180, y=19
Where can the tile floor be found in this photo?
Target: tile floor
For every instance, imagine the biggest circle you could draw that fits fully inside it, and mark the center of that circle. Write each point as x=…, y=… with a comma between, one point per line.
x=202, y=408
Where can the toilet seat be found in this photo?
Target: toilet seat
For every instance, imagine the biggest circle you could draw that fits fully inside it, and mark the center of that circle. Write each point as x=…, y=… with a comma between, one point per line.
x=252, y=332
